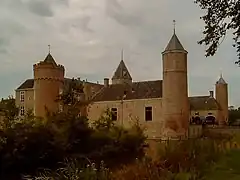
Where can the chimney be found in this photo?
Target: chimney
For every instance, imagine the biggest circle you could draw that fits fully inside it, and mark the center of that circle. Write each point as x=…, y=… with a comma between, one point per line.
x=106, y=82
x=211, y=94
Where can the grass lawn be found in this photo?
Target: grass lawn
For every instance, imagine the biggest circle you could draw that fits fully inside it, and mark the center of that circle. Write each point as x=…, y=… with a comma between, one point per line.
x=227, y=168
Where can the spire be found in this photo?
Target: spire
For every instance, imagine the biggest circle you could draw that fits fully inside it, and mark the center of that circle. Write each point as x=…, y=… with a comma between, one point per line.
x=221, y=80
x=122, y=54
x=174, y=26
x=122, y=72
x=221, y=76
x=174, y=43
x=49, y=58
x=49, y=49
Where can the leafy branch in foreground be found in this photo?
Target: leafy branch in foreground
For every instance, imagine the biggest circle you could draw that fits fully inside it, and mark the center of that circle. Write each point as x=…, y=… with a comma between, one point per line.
x=221, y=16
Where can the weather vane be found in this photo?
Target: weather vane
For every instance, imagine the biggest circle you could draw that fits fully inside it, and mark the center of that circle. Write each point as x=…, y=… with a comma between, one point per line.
x=49, y=48
x=122, y=54
x=174, y=26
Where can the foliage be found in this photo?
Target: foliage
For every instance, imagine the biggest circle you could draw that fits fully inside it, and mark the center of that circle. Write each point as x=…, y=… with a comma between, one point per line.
x=179, y=160
x=220, y=17
x=8, y=109
x=228, y=167
x=234, y=115
x=29, y=143
x=105, y=121
x=113, y=143
x=73, y=170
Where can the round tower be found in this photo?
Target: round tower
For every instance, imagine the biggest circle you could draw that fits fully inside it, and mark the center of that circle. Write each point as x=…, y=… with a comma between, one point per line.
x=222, y=99
x=48, y=80
x=175, y=90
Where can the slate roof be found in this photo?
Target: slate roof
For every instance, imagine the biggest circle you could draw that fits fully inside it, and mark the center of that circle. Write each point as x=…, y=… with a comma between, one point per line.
x=29, y=83
x=203, y=103
x=221, y=81
x=174, y=44
x=122, y=72
x=147, y=90
x=138, y=90
x=50, y=59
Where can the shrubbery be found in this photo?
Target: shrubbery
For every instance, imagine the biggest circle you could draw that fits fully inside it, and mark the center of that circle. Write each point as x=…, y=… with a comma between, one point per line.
x=178, y=160
x=30, y=144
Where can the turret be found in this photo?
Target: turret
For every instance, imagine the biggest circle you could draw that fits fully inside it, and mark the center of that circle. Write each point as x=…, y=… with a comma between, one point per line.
x=175, y=90
x=48, y=80
x=222, y=99
x=122, y=75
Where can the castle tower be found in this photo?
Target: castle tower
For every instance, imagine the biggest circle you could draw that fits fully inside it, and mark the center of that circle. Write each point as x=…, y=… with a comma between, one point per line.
x=48, y=80
x=175, y=90
x=222, y=99
x=121, y=75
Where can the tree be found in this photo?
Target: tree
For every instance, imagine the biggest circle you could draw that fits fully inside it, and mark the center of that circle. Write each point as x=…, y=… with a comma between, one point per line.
x=8, y=110
x=234, y=115
x=221, y=16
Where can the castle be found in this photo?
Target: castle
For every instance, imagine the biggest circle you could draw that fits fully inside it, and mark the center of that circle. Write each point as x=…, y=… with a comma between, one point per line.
x=162, y=106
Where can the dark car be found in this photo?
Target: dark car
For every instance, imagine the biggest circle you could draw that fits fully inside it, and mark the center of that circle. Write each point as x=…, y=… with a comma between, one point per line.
x=210, y=120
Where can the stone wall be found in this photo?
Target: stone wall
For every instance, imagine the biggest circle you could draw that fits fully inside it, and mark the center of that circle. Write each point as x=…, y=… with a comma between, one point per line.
x=130, y=111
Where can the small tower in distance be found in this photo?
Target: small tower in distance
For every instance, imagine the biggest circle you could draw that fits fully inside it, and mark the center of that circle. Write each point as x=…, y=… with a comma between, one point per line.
x=175, y=105
x=48, y=80
x=222, y=99
x=122, y=75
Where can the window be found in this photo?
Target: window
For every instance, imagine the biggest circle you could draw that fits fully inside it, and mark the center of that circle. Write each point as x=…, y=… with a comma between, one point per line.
x=114, y=114
x=22, y=94
x=22, y=111
x=148, y=113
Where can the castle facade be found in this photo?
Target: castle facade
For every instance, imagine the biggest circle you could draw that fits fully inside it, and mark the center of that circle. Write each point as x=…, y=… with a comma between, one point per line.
x=163, y=107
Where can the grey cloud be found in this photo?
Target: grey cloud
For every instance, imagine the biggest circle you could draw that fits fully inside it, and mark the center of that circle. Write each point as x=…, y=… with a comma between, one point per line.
x=116, y=11
x=83, y=24
x=80, y=24
x=3, y=42
x=40, y=8
x=45, y=8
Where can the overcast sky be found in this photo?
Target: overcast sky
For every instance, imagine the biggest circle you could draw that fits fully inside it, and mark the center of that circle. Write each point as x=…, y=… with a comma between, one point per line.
x=87, y=36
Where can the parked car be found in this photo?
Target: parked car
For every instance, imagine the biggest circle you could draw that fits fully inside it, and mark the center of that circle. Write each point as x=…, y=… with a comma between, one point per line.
x=210, y=120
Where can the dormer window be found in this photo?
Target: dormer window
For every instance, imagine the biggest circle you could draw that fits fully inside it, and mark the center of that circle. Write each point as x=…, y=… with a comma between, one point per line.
x=124, y=73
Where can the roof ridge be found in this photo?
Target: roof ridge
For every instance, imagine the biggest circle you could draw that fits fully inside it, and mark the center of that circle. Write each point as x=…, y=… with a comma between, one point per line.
x=147, y=81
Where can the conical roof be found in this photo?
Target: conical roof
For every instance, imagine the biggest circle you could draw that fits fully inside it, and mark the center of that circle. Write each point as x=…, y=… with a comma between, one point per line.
x=221, y=81
x=50, y=59
x=174, y=44
x=122, y=72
